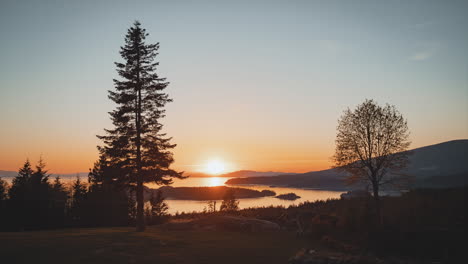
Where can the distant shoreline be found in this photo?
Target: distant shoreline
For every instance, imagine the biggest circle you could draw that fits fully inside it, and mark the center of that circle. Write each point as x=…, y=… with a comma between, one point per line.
x=289, y=186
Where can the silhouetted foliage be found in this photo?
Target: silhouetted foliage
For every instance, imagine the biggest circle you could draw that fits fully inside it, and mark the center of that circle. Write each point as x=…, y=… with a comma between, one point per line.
x=20, y=182
x=33, y=202
x=371, y=146
x=136, y=146
x=3, y=190
x=3, y=202
x=229, y=202
x=156, y=212
x=211, y=206
x=107, y=202
x=79, y=193
x=58, y=205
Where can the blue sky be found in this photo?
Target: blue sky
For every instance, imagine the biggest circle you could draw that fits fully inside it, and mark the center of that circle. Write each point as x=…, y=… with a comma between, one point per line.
x=248, y=78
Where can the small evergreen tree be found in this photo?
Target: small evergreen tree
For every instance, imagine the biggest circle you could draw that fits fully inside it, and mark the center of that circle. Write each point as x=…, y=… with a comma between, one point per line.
x=20, y=182
x=19, y=196
x=3, y=204
x=78, y=195
x=3, y=190
x=40, y=198
x=40, y=176
x=58, y=203
x=31, y=203
x=107, y=202
x=79, y=190
x=158, y=208
x=136, y=146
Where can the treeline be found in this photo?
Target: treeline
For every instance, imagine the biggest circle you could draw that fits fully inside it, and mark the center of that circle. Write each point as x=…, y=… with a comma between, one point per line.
x=33, y=201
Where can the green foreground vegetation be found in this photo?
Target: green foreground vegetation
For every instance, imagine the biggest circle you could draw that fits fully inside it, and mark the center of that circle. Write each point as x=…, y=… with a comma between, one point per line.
x=124, y=245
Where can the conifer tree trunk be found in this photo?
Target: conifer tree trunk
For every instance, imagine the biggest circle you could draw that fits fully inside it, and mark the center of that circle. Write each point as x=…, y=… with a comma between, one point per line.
x=140, y=218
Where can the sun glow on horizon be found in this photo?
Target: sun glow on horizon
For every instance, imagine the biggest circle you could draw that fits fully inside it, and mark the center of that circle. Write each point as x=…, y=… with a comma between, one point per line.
x=214, y=167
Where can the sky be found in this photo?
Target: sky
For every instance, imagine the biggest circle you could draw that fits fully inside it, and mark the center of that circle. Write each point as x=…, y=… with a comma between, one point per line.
x=256, y=84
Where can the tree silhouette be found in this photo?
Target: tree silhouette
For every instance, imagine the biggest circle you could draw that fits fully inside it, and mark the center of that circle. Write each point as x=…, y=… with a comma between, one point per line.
x=19, y=196
x=58, y=196
x=157, y=209
x=20, y=182
x=229, y=202
x=211, y=206
x=107, y=202
x=78, y=190
x=371, y=145
x=3, y=198
x=35, y=203
x=78, y=196
x=136, y=144
x=3, y=190
x=40, y=175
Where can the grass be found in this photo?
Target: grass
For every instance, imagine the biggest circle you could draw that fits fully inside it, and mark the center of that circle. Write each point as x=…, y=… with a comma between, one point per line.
x=124, y=245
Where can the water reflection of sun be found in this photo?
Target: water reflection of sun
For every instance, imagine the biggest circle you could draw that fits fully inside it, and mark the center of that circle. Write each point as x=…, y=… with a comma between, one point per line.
x=214, y=167
x=214, y=181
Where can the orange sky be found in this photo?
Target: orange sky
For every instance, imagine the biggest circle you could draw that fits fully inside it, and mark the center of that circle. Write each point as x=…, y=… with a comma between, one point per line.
x=69, y=156
x=258, y=86
x=269, y=153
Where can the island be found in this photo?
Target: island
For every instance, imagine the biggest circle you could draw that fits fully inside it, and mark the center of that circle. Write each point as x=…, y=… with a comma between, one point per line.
x=288, y=196
x=207, y=193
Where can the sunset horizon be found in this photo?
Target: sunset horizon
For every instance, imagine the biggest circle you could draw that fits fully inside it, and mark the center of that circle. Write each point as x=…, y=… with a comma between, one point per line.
x=248, y=131
x=203, y=169
x=235, y=104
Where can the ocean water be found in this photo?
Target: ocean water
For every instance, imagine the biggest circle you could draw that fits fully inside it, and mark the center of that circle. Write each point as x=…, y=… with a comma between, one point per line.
x=191, y=205
x=198, y=206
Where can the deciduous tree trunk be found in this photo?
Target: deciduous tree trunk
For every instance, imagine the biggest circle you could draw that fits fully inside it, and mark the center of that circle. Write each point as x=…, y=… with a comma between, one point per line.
x=378, y=210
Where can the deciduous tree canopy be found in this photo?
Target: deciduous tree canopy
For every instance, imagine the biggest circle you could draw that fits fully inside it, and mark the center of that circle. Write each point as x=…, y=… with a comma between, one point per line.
x=371, y=145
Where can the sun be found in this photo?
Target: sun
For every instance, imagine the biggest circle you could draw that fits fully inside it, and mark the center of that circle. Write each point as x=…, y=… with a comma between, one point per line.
x=214, y=167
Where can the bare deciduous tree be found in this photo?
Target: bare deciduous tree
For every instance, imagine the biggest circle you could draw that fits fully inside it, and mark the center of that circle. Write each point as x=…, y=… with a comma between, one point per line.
x=371, y=145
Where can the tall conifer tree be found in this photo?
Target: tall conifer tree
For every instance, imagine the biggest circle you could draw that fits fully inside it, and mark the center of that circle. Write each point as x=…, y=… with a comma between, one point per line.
x=136, y=144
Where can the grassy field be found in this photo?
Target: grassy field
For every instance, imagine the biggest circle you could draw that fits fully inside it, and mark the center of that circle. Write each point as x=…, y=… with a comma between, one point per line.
x=124, y=245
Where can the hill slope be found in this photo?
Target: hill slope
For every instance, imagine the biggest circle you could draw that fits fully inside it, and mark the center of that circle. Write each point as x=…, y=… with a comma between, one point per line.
x=439, y=165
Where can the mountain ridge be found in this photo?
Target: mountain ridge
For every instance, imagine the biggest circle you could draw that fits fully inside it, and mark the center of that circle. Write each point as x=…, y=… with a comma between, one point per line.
x=443, y=164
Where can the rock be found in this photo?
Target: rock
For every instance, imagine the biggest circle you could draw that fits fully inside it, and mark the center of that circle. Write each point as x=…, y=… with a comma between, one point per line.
x=288, y=196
